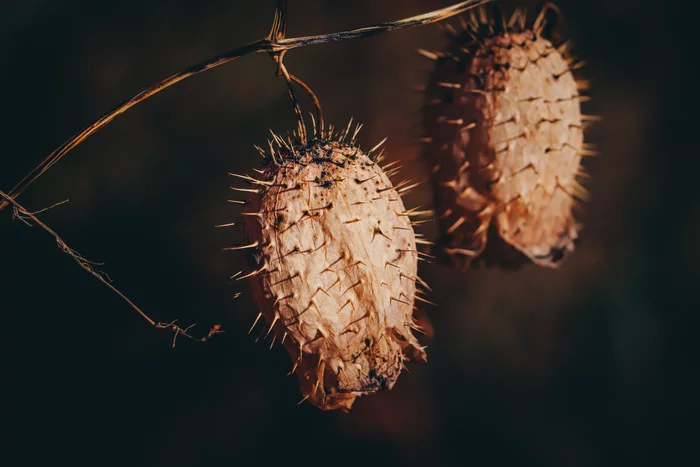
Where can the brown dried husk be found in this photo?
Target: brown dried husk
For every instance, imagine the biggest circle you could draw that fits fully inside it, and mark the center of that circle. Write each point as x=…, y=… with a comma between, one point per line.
x=334, y=269
x=504, y=137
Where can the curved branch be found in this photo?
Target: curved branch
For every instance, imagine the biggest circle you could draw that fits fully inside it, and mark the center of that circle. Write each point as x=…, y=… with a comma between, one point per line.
x=88, y=266
x=282, y=71
x=66, y=147
x=314, y=99
x=264, y=45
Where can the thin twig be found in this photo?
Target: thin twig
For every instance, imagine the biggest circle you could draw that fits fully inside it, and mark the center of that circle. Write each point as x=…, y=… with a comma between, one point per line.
x=19, y=215
x=282, y=71
x=314, y=99
x=267, y=45
x=279, y=31
x=51, y=207
x=88, y=267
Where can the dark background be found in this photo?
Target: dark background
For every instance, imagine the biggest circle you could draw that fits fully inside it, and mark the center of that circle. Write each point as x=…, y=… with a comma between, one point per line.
x=590, y=365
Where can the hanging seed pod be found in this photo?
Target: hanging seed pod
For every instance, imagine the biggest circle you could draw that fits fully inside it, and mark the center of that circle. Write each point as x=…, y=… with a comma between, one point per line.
x=504, y=137
x=333, y=266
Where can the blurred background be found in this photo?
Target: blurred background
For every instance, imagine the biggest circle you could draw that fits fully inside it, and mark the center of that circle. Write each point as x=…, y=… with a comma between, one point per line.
x=590, y=365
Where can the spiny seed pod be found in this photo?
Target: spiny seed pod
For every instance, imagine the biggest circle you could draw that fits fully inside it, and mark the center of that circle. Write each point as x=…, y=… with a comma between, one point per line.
x=333, y=265
x=504, y=135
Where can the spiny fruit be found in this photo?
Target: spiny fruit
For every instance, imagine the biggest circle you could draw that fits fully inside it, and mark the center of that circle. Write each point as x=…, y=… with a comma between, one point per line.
x=504, y=136
x=333, y=262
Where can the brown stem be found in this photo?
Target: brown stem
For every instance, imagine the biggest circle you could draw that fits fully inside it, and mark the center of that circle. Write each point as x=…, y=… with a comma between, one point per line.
x=88, y=267
x=317, y=103
x=279, y=32
x=282, y=71
x=264, y=45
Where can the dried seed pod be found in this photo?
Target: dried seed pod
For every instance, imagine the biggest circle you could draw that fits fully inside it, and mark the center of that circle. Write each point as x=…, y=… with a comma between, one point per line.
x=333, y=267
x=504, y=136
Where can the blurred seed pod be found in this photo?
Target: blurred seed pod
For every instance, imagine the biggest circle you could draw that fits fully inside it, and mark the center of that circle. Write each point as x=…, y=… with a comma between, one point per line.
x=333, y=266
x=504, y=138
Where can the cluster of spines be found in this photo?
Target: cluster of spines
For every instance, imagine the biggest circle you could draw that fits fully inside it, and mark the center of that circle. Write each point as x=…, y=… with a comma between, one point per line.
x=283, y=150
x=473, y=29
x=480, y=24
x=281, y=147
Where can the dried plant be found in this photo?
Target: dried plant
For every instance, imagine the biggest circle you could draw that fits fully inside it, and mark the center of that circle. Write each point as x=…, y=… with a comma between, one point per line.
x=275, y=43
x=333, y=265
x=504, y=137
x=334, y=274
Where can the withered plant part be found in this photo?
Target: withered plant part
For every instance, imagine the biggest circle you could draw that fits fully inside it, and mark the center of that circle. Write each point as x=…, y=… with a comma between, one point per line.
x=504, y=137
x=270, y=44
x=329, y=245
x=275, y=44
x=333, y=265
x=89, y=266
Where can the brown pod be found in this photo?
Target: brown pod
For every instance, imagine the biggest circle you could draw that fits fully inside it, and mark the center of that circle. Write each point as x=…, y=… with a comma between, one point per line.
x=333, y=267
x=504, y=137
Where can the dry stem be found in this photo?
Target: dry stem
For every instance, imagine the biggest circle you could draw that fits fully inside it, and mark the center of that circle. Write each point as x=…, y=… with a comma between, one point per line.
x=87, y=265
x=276, y=44
x=271, y=44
